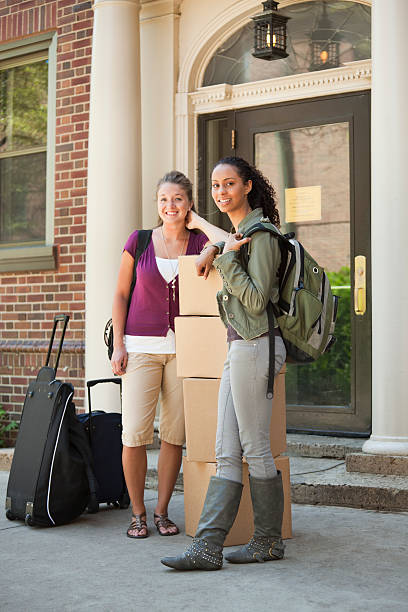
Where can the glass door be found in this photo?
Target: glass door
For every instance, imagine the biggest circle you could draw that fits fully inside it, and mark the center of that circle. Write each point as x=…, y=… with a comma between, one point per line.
x=316, y=154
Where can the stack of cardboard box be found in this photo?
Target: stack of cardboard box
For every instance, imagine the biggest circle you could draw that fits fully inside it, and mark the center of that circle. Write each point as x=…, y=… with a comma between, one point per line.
x=201, y=347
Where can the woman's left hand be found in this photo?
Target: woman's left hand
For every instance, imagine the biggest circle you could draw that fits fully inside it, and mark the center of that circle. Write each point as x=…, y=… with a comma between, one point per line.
x=234, y=242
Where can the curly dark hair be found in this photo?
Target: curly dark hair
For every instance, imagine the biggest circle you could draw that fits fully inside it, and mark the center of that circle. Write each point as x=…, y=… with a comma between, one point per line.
x=262, y=194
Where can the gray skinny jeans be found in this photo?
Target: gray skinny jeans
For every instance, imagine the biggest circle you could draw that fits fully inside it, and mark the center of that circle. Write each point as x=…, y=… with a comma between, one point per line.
x=244, y=412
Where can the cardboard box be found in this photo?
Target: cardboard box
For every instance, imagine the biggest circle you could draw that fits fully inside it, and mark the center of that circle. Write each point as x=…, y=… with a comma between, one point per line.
x=197, y=294
x=201, y=346
x=196, y=479
x=200, y=410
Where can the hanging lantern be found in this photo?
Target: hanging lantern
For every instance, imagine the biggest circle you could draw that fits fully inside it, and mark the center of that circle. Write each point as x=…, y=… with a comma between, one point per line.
x=325, y=44
x=270, y=32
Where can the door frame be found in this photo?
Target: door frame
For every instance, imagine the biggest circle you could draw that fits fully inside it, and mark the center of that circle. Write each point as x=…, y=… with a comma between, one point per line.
x=302, y=418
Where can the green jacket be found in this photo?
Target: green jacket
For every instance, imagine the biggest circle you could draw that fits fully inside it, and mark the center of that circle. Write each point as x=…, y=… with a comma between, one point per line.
x=248, y=286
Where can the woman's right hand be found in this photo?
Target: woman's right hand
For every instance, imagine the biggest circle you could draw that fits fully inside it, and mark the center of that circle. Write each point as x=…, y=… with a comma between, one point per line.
x=119, y=360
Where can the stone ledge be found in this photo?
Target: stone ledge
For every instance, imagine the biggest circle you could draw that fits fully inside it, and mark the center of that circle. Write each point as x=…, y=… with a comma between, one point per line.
x=326, y=482
x=305, y=445
x=369, y=498
x=39, y=346
x=28, y=258
x=377, y=464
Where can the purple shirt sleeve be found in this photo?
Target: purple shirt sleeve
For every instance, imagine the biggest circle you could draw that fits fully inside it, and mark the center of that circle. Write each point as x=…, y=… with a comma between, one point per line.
x=131, y=244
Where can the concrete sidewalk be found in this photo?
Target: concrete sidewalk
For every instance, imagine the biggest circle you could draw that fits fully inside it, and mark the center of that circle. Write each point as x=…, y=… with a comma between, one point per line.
x=341, y=559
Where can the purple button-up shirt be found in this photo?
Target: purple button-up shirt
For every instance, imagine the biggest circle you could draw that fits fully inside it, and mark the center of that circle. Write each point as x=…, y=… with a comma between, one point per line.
x=152, y=309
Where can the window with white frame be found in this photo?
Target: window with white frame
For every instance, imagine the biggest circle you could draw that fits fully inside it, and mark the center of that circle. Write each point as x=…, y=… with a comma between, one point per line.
x=27, y=119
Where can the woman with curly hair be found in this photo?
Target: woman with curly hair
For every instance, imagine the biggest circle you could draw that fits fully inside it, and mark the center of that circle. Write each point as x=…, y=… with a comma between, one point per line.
x=250, y=283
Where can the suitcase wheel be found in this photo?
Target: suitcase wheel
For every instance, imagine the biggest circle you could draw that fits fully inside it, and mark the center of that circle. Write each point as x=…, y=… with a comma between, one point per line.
x=29, y=520
x=115, y=504
x=10, y=515
x=93, y=507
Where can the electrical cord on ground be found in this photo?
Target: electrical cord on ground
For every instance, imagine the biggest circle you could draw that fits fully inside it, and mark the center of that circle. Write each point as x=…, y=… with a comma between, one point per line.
x=321, y=470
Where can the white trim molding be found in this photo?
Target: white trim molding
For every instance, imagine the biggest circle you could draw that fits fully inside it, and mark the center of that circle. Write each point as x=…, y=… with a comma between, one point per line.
x=354, y=76
x=156, y=9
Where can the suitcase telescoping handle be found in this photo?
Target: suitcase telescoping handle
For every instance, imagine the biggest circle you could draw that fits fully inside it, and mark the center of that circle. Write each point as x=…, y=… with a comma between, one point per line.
x=92, y=383
x=57, y=319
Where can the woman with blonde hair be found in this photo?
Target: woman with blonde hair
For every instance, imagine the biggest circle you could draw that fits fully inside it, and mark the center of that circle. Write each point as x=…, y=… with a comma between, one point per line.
x=144, y=350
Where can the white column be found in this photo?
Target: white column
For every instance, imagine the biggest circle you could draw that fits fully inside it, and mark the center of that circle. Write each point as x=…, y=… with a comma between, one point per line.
x=114, y=173
x=159, y=42
x=186, y=140
x=389, y=229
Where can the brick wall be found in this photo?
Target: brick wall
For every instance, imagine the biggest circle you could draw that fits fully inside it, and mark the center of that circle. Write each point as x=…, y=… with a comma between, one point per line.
x=29, y=301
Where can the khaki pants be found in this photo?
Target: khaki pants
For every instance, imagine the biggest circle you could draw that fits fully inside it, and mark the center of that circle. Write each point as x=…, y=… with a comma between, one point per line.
x=146, y=376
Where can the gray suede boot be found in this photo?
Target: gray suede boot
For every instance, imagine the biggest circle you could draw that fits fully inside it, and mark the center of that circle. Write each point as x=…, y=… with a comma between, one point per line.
x=219, y=512
x=266, y=543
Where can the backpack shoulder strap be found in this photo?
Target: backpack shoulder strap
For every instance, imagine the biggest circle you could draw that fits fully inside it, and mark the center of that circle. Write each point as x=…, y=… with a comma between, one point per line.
x=266, y=227
x=283, y=239
x=283, y=245
x=143, y=240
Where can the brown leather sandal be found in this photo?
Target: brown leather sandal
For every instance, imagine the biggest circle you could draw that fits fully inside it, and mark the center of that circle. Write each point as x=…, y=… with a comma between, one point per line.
x=138, y=523
x=162, y=521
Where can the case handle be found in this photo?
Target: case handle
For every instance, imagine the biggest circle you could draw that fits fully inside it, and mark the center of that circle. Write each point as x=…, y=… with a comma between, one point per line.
x=92, y=383
x=64, y=318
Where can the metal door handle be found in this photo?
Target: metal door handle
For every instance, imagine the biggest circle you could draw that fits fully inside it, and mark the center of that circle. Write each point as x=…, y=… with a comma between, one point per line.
x=360, y=285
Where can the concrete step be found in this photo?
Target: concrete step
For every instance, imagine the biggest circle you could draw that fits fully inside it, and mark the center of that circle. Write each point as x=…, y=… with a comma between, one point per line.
x=305, y=445
x=388, y=465
x=327, y=482
x=298, y=445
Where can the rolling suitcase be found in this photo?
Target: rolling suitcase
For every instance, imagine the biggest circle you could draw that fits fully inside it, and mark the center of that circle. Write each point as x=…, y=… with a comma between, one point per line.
x=51, y=480
x=105, y=436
